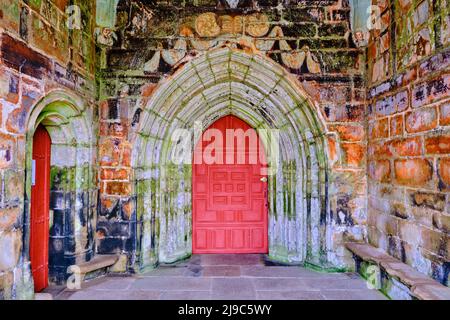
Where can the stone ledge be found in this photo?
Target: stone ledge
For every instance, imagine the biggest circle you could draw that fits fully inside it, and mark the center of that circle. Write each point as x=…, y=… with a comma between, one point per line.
x=420, y=286
x=431, y=292
x=98, y=262
x=406, y=274
x=369, y=253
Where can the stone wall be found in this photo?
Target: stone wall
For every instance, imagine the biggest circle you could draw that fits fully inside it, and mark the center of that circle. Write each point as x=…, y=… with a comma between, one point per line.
x=364, y=135
x=311, y=41
x=46, y=76
x=408, y=133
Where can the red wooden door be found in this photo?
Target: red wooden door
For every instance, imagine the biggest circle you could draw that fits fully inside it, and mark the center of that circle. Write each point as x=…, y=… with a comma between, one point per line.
x=40, y=198
x=230, y=212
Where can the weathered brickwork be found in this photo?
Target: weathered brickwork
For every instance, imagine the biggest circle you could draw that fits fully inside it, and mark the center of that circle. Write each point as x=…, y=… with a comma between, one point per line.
x=364, y=139
x=46, y=76
x=409, y=85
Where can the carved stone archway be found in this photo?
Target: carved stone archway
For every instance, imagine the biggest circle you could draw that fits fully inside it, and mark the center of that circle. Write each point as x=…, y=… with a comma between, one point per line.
x=254, y=88
x=73, y=195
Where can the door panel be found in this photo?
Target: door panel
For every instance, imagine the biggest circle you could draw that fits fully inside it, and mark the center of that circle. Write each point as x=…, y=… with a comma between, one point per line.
x=40, y=198
x=230, y=211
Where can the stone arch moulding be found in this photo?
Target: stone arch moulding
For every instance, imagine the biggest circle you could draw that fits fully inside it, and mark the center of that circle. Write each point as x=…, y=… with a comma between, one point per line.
x=73, y=198
x=259, y=91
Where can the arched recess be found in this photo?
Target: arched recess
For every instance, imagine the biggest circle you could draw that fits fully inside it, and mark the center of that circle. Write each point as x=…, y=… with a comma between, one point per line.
x=259, y=91
x=73, y=195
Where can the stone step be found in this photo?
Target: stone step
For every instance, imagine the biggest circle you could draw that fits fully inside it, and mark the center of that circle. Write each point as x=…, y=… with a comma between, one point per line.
x=97, y=263
x=43, y=296
x=420, y=286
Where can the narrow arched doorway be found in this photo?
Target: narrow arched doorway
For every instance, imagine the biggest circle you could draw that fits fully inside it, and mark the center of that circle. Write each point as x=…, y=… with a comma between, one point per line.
x=60, y=190
x=230, y=205
x=40, y=205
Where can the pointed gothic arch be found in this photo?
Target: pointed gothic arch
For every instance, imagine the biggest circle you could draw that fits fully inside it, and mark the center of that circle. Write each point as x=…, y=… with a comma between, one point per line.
x=252, y=87
x=68, y=120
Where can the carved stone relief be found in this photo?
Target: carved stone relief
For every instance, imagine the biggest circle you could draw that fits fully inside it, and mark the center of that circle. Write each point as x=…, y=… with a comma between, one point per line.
x=252, y=31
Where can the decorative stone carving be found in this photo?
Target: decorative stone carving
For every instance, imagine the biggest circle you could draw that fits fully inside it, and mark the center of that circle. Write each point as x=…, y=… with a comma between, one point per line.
x=293, y=60
x=233, y=3
x=105, y=37
x=290, y=58
x=248, y=44
x=179, y=51
x=206, y=25
x=257, y=25
x=360, y=38
x=312, y=63
x=266, y=45
x=200, y=45
x=203, y=45
x=231, y=25
x=153, y=64
x=211, y=25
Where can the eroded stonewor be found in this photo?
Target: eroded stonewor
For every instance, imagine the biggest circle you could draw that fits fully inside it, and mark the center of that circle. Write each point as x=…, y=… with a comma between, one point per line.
x=362, y=117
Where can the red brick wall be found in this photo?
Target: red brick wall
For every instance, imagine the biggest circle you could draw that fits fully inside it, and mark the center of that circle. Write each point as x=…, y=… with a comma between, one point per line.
x=408, y=148
x=38, y=55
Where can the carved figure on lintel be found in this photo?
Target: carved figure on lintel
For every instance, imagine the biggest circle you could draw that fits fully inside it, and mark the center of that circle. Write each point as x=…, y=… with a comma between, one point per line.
x=105, y=37
x=233, y=4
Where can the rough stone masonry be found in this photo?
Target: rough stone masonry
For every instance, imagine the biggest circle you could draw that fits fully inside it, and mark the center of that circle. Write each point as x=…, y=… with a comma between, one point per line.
x=363, y=117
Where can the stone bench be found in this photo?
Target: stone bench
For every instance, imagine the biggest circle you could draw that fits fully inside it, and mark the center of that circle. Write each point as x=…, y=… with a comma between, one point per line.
x=99, y=264
x=395, y=279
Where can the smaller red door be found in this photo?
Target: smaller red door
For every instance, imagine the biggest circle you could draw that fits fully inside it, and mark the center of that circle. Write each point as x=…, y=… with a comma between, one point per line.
x=40, y=205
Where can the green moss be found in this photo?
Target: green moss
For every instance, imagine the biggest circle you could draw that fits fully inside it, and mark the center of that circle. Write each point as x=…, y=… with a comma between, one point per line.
x=148, y=267
x=273, y=210
x=71, y=178
x=173, y=176
x=289, y=169
x=82, y=177
x=10, y=10
x=157, y=226
x=63, y=178
x=35, y=4
x=178, y=259
x=325, y=268
x=143, y=188
x=187, y=176
x=169, y=23
x=279, y=254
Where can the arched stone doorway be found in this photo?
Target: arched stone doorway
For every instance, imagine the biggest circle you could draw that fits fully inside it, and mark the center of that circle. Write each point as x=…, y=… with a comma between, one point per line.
x=252, y=87
x=73, y=195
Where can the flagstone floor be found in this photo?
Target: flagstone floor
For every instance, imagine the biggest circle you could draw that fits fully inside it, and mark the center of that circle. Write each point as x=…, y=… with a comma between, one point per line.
x=224, y=277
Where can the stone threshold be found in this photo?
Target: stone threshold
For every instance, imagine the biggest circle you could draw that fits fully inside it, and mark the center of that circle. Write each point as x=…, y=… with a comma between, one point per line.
x=394, y=278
